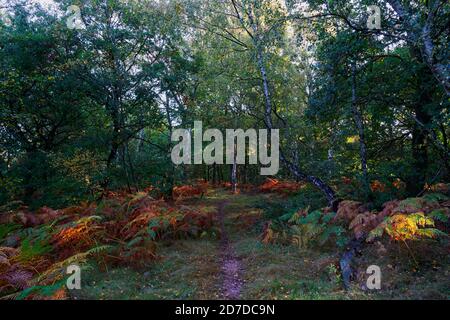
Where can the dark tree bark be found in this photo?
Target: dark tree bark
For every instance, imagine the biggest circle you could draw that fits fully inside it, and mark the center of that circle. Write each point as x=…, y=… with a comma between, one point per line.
x=419, y=143
x=115, y=141
x=358, y=119
x=234, y=171
x=170, y=177
x=419, y=146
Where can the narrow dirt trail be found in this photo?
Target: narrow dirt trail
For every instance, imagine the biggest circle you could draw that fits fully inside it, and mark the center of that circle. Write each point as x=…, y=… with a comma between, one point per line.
x=231, y=268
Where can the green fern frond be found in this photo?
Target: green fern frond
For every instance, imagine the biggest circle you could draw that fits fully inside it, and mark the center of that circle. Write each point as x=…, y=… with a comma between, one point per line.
x=57, y=270
x=6, y=229
x=431, y=233
x=439, y=215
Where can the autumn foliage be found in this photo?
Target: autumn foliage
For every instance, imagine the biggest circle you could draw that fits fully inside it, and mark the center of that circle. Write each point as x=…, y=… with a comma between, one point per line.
x=410, y=219
x=198, y=189
x=281, y=187
x=122, y=229
x=396, y=215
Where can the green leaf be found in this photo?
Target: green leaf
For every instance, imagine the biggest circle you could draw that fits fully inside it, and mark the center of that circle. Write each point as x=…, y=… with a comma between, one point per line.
x=438, y=214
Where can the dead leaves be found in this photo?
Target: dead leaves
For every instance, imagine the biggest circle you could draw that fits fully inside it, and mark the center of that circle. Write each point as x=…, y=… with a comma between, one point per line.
x=199, y=189
x=79, y=235
x=348, y=210
x=377, y=186
x=363, y=223
x=281, y=187
x=27, y=218
x=269, y=235
x=12, y=274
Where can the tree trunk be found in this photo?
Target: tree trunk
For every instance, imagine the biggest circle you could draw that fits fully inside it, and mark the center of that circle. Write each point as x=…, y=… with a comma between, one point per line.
x=115, y=143
x=257, y=39
x=357, y=117
x=293, y=168
x=140, y=143
x=234, y=172
x=170, y=176
x=419, y=143
x=113, y=109
x=29, y=167
x=419, y=153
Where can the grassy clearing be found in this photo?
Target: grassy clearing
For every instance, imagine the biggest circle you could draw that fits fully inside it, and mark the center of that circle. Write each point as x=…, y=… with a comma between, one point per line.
x=186, y=270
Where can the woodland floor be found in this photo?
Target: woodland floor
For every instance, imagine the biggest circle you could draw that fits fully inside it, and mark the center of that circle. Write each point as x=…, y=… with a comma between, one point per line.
x=239, y=266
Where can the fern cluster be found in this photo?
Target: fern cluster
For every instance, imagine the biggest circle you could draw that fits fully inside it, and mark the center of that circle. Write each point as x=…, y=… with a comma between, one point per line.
x=305, y=229
x=121, y=229
x=403, y=227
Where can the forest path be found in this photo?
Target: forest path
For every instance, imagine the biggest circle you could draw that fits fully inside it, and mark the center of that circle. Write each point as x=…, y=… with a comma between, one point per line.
x=230, y=264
